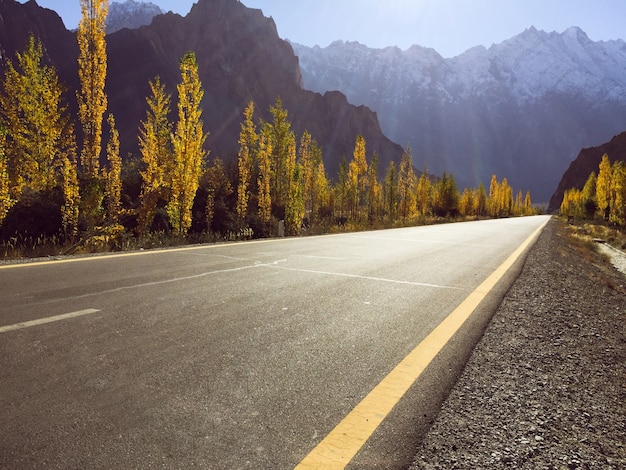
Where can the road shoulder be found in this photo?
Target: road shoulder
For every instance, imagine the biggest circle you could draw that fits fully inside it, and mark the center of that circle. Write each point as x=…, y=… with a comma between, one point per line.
x=544, y=387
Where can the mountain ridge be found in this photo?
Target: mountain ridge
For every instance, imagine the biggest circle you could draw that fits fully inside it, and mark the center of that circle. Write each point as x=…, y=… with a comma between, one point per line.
x=533, y=100
x=240, y=56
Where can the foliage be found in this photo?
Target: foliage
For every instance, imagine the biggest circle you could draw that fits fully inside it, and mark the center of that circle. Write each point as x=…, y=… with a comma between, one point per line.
x=155, y=145
x=113, y=175
x=92, y=69
x=277, y=177
x=603, y=195
x=187, y=144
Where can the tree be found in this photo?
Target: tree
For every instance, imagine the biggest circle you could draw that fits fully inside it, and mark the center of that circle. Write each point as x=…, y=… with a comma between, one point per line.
x=603, y=187
x=390, y=191
x=375, y=191
x=219, y=188
x=423, y=194
x=618, y=194
x=187, y=144
x=6, y=202
x=282, y=140
x=406, y=185
x=113, y=176
x=38, y=130
x=155, y=145
x=248, y=139
x=265, y=176
x=445, y=196
x=92, y=69
x=480, y=201
x=38, y=143
x=357, y=176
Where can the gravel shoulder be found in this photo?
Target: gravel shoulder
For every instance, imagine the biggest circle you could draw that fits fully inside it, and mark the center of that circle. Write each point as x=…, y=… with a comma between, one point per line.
x=545, y=387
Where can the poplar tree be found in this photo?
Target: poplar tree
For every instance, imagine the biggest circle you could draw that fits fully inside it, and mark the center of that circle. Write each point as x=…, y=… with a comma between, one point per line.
x=375, y=191
x=155, y=145
x=424, y=197
x=6, y=202
x=265, y=176
x=406, y=185
x=219, y=188
x=187, y=142
x=282, y=137
x=38, y=142
x=39, y=132
x=92, y=69
x=390, y=191
x=357, y=175
x=113, y=176
x=248, y=139
x=603, y=186
x=618, y=194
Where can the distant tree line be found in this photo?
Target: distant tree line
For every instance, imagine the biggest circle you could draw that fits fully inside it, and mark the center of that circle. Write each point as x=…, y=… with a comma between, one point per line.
x=603, y=195
x=48, y=187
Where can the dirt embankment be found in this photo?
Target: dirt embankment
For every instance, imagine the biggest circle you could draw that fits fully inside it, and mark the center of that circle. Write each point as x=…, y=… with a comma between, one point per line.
x=546, y=386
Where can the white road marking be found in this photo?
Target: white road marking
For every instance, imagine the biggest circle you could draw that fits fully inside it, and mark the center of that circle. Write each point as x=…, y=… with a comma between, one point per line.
x=368, y=278
x=41, y=321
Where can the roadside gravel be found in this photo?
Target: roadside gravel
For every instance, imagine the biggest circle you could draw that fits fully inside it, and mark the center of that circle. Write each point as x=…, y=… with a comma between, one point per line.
x=545, y=388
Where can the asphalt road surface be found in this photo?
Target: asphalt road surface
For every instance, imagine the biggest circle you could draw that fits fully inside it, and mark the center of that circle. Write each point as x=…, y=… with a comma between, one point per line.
x=239, y=355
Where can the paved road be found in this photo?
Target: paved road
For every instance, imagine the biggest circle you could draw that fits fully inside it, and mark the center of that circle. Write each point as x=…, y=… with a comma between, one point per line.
x=234, y=356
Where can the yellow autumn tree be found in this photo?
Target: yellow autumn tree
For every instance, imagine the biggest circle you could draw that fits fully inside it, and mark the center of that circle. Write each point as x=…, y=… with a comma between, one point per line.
x=113, y=175
x=248, y=139
x=265, y=176
x=407, y=186
x=92, y=69
x=187, y=144
x=357, y=177
x=603, y=186
x=618, y=194
x=38, y=136
x=155, y=145
x=5, y=196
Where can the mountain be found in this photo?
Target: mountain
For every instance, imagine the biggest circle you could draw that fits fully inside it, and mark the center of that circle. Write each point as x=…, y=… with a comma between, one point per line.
x=588, y=160
x=130, y=14
x=240, y=57
x=519, y=109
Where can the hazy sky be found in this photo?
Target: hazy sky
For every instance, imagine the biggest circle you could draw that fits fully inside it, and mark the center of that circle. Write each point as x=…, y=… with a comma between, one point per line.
x=448, y=26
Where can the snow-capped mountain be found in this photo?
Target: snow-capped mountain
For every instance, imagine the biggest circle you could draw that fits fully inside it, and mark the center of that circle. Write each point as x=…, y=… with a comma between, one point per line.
x=130, y=14
x=521, y=109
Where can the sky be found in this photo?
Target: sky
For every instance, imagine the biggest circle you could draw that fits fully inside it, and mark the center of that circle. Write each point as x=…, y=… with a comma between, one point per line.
x=448, y=26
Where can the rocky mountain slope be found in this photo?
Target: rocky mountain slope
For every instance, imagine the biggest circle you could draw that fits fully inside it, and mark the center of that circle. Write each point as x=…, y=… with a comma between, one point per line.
x=131, y=14
x=520, y=109
x=240, y=57
x=588, y=160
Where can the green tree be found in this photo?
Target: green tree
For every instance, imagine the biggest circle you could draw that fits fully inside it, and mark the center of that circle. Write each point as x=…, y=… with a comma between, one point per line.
x=248, y=139
x=480, y=201
x=187, y=144
x=219, y=188
x=155, y=145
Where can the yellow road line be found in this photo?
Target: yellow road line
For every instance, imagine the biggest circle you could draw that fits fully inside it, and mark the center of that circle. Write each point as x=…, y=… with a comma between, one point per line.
x=340, y=446
x=41, y=321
